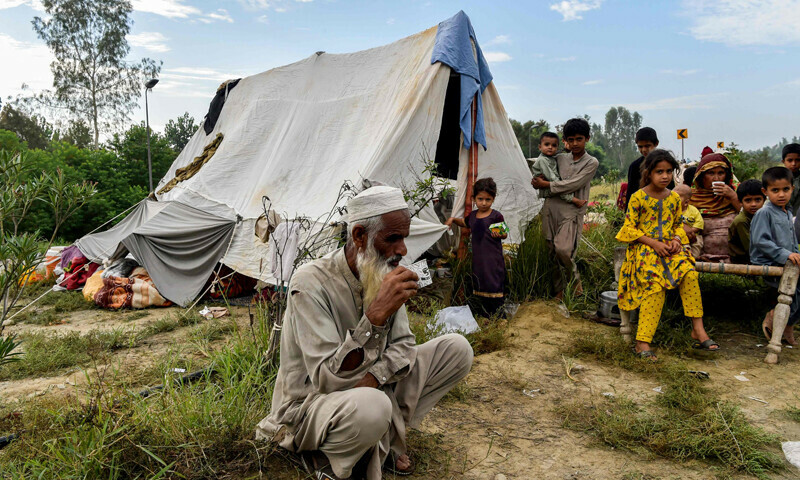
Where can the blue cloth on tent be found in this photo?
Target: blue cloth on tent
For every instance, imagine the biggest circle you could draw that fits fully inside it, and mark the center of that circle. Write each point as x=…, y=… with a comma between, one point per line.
x=454, y=49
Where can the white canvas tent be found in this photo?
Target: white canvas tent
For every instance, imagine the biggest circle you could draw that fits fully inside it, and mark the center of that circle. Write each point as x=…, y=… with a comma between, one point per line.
x=296, y=133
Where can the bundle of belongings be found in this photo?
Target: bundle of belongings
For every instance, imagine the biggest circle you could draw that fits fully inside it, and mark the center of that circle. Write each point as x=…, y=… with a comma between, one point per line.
x=134, y=291
x=124, y=284
x=77, y=269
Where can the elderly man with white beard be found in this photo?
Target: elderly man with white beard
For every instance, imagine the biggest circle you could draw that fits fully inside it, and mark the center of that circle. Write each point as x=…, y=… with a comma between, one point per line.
x=351, y=378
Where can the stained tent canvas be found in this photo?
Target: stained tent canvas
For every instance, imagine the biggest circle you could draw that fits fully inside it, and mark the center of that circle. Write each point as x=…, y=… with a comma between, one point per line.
x=295, y=134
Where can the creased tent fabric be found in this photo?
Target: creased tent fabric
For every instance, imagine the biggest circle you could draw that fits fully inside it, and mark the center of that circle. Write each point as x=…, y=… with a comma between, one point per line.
x=296, y=133
x=98, y=247
x=453, y=47
x=180, y=248
x=179, y=245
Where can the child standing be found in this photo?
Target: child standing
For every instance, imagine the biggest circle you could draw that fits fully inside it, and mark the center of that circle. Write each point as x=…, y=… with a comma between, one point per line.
x=790, y=156
x=654, y=260
x=773, y=240
x=646, y=141
x=547, y=166
x=751, y=195
x=562, y=222
x=692, y=220
x=488, y=265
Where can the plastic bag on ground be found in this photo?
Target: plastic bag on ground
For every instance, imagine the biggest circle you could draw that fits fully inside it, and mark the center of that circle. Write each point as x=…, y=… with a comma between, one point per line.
x=456, y=319
x=792, y=452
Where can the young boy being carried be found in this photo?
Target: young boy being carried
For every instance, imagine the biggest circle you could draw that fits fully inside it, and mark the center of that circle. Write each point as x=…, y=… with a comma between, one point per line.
x=692, y=220
x=545, y=165
x=751, y=196
x=646, y=141
x=790, y=156
x=773, y=240
x=562, y=221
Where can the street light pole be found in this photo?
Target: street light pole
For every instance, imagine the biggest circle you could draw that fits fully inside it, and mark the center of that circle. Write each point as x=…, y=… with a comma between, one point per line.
x=529, y=138
x=147, y=87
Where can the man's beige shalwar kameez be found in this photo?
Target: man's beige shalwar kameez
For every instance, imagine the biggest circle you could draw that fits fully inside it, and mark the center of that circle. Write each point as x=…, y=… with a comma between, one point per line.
x=562, y=221
x=314, y=404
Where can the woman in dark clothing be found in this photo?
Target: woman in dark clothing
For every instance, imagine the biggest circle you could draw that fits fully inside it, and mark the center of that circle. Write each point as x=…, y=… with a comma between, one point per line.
x=488, y=265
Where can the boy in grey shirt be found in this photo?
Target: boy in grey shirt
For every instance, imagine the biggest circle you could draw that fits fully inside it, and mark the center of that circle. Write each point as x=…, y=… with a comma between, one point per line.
x=773, y=240
x=546, y=166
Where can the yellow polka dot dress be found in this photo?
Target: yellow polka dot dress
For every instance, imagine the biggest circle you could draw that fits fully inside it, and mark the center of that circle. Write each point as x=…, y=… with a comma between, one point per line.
x=644, y=275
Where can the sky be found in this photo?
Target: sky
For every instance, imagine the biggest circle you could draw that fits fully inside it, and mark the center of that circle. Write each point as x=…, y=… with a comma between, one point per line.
x=726, y=70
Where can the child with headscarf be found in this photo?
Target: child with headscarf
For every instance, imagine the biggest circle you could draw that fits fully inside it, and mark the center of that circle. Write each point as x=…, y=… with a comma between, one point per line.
x=714, y=194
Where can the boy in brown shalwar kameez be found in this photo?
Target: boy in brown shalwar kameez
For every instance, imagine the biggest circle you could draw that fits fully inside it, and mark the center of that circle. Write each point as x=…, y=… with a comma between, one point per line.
x=562, y=221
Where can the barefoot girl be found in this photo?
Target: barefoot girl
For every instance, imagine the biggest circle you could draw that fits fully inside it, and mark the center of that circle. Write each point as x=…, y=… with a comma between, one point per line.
x=488, y=265
x=655, y=260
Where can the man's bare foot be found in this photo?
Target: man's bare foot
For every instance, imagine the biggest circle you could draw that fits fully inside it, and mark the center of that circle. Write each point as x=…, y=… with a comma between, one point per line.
x=560, y=295
x=403, y=463
x=579, y=288
x=788, y=335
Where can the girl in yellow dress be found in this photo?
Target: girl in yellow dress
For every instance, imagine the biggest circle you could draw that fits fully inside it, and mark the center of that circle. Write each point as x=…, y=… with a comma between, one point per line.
x=655, y=260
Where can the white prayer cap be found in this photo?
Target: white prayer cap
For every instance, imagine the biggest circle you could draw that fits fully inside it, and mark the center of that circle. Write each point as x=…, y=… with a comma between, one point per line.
x=375, y=201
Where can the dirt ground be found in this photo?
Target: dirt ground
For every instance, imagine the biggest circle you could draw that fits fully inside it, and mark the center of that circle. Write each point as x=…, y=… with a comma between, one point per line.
x=505, y=423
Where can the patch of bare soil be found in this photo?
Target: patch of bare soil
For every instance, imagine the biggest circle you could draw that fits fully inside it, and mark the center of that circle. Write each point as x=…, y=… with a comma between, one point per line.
x=508, y=424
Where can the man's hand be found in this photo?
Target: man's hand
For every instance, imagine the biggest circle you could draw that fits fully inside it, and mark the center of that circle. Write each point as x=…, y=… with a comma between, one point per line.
x=795, y=258
x=398, y=286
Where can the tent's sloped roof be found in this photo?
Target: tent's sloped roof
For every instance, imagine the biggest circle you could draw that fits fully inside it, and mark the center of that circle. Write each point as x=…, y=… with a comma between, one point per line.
x=296, y=133
x=313, y=124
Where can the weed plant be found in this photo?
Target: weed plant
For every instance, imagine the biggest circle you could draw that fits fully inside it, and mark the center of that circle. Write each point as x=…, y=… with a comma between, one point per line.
x=530, y=273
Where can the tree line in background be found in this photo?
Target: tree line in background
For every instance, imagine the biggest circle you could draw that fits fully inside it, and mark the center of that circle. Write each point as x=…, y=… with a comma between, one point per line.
x=118, y=168
x=614, y=145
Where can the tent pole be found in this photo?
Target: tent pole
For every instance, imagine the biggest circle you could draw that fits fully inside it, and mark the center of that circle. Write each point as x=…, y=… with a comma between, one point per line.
x=472, y=174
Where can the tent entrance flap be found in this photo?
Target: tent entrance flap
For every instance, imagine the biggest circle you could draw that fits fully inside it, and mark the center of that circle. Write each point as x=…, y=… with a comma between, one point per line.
x=179, y=247
x=448, y=147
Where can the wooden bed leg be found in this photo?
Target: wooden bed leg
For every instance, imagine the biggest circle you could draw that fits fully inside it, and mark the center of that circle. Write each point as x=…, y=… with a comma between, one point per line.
x=625, y=325
x=786, y=291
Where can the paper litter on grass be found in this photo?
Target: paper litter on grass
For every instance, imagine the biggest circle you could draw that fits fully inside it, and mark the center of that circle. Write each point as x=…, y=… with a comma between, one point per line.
x=741, y=378
x=792, y=452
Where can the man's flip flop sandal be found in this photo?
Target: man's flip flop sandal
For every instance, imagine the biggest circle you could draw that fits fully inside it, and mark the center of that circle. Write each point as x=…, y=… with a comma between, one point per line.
x=390, y=466
x=706, y=345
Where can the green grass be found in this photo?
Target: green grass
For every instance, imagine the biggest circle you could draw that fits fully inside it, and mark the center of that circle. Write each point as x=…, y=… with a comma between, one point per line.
x=47, y=353
x=688, y=421
x=43, y=317
x=70, y=302
x=793, y=412
x=202, y=430
x=531, y=269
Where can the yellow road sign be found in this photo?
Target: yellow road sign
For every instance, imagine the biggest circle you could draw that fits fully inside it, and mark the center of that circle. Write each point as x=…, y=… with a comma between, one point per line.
x=720, y=145
x=683, y=133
